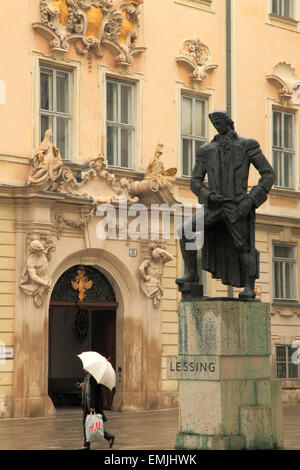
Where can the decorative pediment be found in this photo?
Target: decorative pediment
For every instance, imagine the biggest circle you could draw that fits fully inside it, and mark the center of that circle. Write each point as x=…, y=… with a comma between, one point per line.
x=91, y=25
x=285, y=80
x=197, y=59
x=98, y=183
x=102, y=185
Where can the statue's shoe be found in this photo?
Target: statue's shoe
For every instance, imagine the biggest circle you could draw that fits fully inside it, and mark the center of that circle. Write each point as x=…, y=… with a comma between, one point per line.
x=248, y=293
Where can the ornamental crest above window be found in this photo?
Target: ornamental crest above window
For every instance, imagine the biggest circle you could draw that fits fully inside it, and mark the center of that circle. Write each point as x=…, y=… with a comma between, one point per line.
x=92, y=25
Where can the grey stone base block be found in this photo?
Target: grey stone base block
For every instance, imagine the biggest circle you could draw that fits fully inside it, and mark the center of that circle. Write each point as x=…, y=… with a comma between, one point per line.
x=227, y=399
x=185, y=440
x=256, y=426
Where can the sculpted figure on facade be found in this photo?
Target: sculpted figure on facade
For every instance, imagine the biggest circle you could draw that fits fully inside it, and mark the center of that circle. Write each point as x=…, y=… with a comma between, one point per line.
x=151, y=272
x=156, y=170
x=35, y=280
x=156, y=177
x=48, y=170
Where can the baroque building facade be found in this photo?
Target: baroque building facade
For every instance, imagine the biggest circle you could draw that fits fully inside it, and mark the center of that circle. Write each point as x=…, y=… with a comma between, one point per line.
x=105, y=102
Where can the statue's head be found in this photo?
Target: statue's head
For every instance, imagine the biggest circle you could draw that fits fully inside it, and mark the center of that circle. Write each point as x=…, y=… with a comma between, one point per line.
x=221, y=121
x=36, y=246
x=48, y=135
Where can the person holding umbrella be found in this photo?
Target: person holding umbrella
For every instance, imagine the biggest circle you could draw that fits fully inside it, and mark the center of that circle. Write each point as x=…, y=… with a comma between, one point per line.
x=100, y=372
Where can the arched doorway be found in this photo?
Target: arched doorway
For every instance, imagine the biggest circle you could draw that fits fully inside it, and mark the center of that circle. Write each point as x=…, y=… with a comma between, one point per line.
x=82, y=317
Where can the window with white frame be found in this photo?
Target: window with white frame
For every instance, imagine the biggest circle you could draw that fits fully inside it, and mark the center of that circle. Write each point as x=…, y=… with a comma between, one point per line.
x=283, y=148
x=284, y=272
x=285, y=366
x=283, y=8
x=55, y=107
x=193, y=130
x=120, y=125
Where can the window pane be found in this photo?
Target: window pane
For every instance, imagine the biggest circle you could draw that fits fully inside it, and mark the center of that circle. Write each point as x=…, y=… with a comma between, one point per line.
x=288, y=180
x=46, y=91
x=187, y=115
x=277, y=129
x=281, y=370
x=112, y=146
x=200, y=118
x=281, y=353
x=287, y=8
x=288, y=131
x=126, y=104
x=187, y=157
x=278, y=280
x=277, y=167
x=290, y=280
x=63, y=137
x=62, y=92
x=281, y=362
x=283, y=251
x=126, y=148
x=112, y=102
x=293, y=371
x=46, y=123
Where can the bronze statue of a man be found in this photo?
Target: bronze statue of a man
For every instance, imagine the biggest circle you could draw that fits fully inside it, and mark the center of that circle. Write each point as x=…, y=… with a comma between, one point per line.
x=229, y=250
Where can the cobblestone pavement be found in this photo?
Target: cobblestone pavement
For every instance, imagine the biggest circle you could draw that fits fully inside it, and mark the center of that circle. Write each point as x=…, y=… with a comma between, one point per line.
x=134, y=430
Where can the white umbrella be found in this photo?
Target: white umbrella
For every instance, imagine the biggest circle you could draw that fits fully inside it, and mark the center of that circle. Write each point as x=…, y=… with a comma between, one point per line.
x=99, y=367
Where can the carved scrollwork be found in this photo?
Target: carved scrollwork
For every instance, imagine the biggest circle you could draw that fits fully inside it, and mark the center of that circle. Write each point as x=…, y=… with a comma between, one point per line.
x=285, y=80
x=121, y=32
x=91, y=24
x=286, y=92
x=196, y=57
x=118, y=189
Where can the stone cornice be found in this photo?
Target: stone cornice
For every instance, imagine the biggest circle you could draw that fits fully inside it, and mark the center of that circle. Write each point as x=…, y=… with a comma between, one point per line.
x=276, y=221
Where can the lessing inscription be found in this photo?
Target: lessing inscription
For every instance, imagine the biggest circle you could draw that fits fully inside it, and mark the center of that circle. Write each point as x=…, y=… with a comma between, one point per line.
x=193, y=367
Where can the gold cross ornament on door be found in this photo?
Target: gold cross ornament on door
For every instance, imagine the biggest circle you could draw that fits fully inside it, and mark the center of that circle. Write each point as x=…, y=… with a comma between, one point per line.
x=81, y=283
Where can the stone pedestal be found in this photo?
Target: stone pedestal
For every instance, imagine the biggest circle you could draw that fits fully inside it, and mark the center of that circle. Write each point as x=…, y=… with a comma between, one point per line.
x=226, y=396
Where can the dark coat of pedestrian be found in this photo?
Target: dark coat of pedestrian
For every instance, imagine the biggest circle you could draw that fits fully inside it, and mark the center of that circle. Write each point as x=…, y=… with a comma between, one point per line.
x=91, y=395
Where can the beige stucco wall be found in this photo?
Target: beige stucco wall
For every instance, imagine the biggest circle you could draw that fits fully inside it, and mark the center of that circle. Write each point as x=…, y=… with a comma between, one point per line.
x=7, y=290
x=259, y=43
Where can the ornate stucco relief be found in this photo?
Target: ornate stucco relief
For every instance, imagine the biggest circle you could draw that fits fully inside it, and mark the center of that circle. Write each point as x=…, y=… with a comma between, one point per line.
x=113, y=189
x=98, y=183
x=91, y=25
x=196, y=58
x=284, y=78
